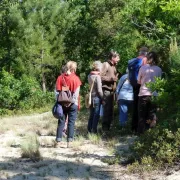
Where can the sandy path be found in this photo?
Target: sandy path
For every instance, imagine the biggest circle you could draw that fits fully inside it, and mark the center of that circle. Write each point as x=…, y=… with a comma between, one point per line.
x=83, y=161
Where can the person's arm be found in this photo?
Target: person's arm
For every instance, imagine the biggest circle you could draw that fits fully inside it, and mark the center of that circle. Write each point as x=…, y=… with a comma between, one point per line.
x=58, y=84
x=120, y=83
x=117, y=88
x=139, y=76
x=76, y=94
x=99, y=86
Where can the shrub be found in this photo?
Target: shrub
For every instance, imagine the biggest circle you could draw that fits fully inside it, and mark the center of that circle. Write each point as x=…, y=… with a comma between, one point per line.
x=30, y=148
x=24, y=93
x=159, y=146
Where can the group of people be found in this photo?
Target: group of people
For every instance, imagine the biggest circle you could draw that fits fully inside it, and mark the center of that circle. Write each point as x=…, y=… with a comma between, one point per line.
x=102, y=80
x=127, y=94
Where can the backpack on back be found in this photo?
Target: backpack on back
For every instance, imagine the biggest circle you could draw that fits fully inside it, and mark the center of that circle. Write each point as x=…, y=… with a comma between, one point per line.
x=133, y=67
x=65, y=97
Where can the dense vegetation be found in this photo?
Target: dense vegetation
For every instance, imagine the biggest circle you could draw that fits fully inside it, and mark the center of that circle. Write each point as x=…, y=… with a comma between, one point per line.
x=38, y=37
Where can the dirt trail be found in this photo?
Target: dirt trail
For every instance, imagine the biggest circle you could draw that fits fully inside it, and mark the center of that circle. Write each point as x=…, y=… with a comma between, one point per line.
x=83, y=161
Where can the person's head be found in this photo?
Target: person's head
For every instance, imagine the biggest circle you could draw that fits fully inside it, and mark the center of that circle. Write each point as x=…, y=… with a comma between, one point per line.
x=114, y=57
x=63, y=69
x=152, y=58
x=71, y=66
x=97, y=66
x=143, y=51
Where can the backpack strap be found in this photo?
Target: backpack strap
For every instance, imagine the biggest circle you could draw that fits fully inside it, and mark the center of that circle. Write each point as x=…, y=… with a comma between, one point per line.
x=65, y=87
x=92, y=85
x=64, y=82
x=122, y=85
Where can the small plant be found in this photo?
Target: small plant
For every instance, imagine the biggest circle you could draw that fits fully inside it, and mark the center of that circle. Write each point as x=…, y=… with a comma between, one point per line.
x=78, y=142
x=30, y=148
x=95, y=138
x=147, y=165
x=112, y=142
x=111, y=160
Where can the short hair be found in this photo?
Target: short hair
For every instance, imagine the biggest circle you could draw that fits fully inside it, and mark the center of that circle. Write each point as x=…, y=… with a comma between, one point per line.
x=71, y=66
x=97, y=65
x=143, y=51
x=63, y=69
x=113, y=54
x=152, y=58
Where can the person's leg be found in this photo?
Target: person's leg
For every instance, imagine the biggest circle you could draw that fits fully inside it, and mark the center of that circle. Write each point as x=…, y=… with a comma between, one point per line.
x=152, y=113
x=72, y=115
x=123, y=112
x=143, y=113
x=135, y=109
x=90, y=121
x=96, y=105
x=107, y=110
x=59, y=133
x=111, y=109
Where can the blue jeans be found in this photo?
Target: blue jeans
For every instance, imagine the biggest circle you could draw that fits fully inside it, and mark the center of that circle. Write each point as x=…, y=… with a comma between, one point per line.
x=71, y=112
x=124, y=106
x=94, y=115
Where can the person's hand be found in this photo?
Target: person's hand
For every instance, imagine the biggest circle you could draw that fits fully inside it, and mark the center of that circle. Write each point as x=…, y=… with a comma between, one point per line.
x=114, y=79
x=103, y=102
x=153, y=123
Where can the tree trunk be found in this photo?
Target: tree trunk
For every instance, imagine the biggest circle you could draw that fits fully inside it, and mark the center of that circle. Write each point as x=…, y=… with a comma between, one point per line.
x=43, y=82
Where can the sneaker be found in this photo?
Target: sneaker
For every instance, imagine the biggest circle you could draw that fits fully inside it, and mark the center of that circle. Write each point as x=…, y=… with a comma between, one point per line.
x=59, y=145
x=69, y=144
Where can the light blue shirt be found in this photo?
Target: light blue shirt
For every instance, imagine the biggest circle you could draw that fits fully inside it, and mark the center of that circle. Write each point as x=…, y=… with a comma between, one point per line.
x=124, y=89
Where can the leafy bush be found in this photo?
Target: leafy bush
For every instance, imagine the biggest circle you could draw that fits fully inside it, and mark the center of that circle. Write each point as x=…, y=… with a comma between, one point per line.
x=23, y=93
x=162, y=145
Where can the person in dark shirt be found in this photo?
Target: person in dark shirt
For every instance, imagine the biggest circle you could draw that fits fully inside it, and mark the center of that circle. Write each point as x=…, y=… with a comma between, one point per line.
x=109, y=79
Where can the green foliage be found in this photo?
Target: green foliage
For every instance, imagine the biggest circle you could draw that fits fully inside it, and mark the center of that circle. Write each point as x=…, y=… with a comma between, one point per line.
x=24, y=93
x=159, y=145
x=38, y=37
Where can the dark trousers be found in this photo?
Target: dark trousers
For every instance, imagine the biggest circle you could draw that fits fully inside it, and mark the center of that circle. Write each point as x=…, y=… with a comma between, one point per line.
x=147, y=113
x=72, y=115
x=107, y=110
x=135, y=116
x=94, y=115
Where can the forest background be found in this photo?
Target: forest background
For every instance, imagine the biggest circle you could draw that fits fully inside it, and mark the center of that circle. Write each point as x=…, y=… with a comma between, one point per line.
x=37, y=37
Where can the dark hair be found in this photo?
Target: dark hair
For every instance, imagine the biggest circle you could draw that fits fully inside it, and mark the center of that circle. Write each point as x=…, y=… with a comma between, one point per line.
x=63, y=69
x=143, y=50
x=113, y=54
x=152, y=58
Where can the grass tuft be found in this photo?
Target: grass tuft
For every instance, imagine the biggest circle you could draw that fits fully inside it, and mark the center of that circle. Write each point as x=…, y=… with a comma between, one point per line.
x=30, y=148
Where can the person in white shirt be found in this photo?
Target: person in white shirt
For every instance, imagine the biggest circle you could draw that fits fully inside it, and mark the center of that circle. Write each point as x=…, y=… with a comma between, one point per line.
x=124, y=94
